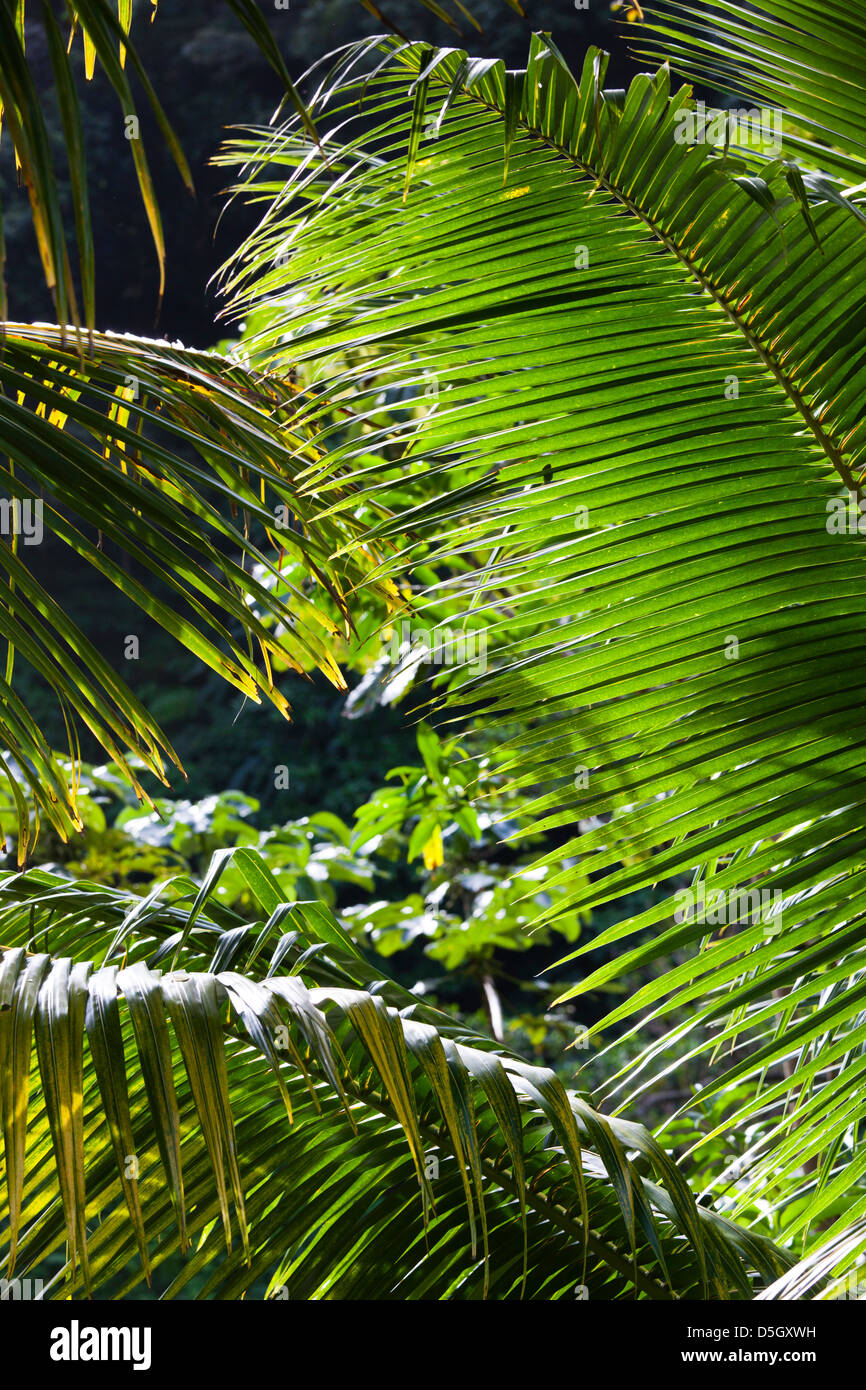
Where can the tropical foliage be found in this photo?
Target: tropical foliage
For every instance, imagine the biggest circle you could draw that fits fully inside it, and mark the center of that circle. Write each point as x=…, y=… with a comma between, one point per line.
x=544, y=408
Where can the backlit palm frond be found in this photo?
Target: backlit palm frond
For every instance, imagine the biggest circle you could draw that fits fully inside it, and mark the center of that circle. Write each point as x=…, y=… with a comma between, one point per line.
x=802, y=58
x=649, y=370
x=408, y=1159
x=834, y=1270
x=189, y=466
x=103, y=27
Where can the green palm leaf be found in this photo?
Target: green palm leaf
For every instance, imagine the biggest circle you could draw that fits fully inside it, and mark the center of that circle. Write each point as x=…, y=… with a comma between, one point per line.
x=403, y=1137
x=187, y=463
x=650, y=368
x=806, y=59
x=104, y=29
x=830, y=1271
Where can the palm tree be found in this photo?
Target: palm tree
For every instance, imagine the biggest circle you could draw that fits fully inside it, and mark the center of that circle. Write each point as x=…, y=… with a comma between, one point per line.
x=648, y=358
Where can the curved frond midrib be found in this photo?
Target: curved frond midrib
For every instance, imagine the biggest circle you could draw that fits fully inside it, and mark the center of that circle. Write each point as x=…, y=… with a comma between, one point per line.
x=546, y=1207
x=830, y=446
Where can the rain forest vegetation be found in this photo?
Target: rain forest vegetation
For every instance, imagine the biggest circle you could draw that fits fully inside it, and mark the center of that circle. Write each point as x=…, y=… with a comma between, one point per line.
x=532, y=401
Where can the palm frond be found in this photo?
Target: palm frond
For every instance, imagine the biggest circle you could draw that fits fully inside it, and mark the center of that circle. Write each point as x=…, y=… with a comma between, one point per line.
x=103, y=27
x=669, y=541
x=833, y=1270
x=805, y=59
x=409, y=1159
x=191, y=466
